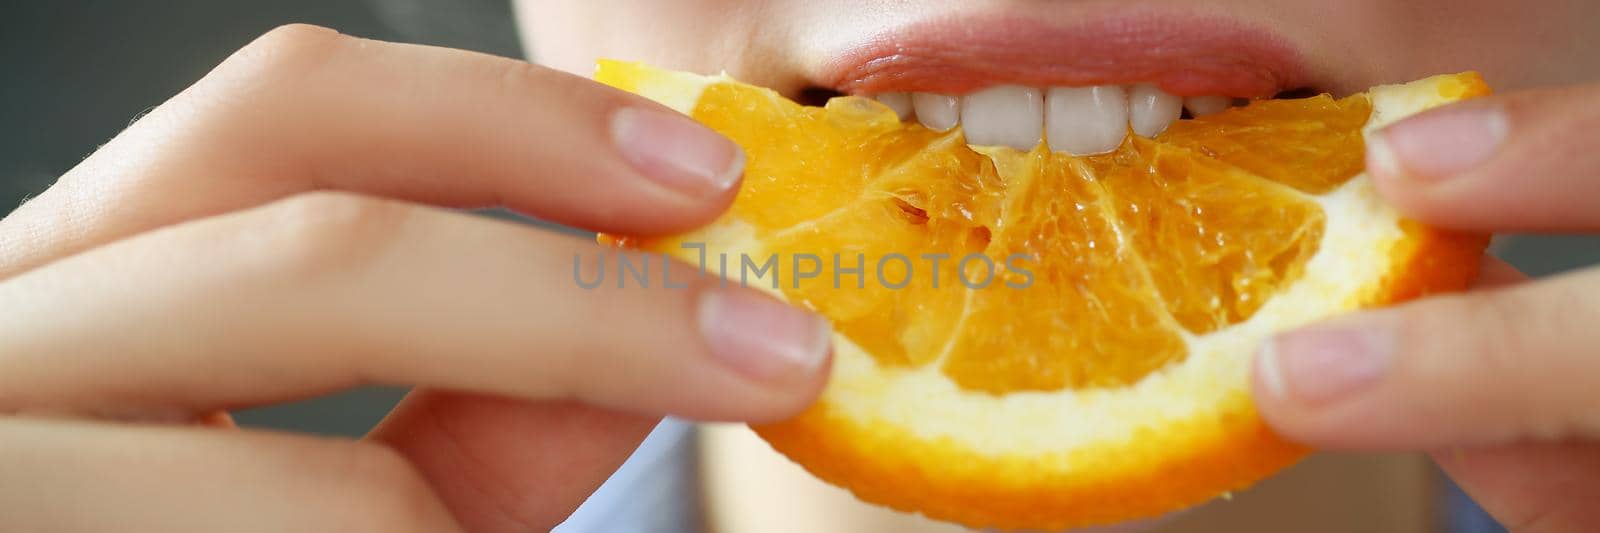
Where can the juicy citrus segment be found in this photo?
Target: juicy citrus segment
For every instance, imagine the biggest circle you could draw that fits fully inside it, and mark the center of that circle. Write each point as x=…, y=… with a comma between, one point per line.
x=786, y=193
x=1312, y=144
x=1033, y=340
x=899, y=322
x=1216, y=240
x=1084, y=292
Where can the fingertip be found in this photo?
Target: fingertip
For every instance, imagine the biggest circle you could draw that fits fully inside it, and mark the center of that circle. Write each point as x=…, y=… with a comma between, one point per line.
x=791, y=399
x=1382, y=163
x=1273, y=402
x=1440, y=145
x=1268, y=378
x=1519, y=161
x=761, y=338
x=678, y=154
x=1327, y=363
x=1389, y=176
x=782, y=351
x=1432, y=165
x=1308, y=382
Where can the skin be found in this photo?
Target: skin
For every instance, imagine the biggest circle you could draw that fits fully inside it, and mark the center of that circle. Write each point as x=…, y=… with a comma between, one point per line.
x=274, y=233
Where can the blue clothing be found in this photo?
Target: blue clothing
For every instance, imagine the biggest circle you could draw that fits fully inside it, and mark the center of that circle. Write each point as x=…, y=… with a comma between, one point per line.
x=655, y=491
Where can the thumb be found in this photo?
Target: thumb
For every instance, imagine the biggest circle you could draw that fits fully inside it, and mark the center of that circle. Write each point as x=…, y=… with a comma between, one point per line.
x=1523, y=161
x=1478, y=368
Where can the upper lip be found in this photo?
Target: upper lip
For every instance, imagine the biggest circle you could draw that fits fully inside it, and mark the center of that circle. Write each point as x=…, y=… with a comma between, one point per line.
x=1185, y=54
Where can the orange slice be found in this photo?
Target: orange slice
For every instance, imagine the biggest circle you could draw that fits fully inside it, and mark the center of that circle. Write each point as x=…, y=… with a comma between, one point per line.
x=1040, y=341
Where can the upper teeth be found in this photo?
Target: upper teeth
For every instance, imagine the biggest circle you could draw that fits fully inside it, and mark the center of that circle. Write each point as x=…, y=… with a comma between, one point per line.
x=1206, y=105
x=1076, y=120
x=1087, y=120
x=1150, y=110
x=1008, y=115
x=936, y=111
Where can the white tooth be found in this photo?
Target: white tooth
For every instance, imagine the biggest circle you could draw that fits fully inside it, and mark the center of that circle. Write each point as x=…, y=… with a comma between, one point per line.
x=936, y=111
x=899, y=102
x=1151, y=110
x=1086, y=120
x=1005, y=115
x=1207, y=105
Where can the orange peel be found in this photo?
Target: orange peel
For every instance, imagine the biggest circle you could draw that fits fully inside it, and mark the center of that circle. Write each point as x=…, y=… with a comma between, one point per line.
x=1105, y=379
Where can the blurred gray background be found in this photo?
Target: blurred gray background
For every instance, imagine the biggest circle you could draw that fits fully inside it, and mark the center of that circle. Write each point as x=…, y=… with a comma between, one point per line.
x=74, y=73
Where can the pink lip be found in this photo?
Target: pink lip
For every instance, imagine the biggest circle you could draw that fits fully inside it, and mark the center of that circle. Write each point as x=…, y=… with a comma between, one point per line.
x=1184, y=55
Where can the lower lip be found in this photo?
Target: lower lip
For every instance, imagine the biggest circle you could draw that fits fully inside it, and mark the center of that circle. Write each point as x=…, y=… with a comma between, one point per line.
x=1184, y=55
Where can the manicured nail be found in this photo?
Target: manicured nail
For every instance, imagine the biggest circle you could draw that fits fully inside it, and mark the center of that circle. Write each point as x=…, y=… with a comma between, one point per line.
x=761, y=337
x=1438, y=145
x=676, y=151
x=1323, y=364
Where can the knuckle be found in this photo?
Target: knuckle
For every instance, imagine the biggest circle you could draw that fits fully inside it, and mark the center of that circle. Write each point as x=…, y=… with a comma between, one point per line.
x=1499, y=342
x=290, y=45
x=1497, y=337
x=318, y=234
x=523, y=81
x=1527, y=336
x=287, y=55
x=1473, y=332
x=275, y=71
x=516, y=77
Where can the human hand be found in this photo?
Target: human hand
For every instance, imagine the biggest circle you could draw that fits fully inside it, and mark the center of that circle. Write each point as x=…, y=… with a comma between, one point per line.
x=199, y=263
x=1499, y=383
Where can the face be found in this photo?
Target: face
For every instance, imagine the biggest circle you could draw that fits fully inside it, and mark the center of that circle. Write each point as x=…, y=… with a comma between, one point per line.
x=1235, y=48
x=1210, y=50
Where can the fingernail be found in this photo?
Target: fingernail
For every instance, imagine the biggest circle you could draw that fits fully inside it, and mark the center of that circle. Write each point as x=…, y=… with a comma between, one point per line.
x=1438, y=145
x=761, y=337
x=1323, y=364
x=677, y=152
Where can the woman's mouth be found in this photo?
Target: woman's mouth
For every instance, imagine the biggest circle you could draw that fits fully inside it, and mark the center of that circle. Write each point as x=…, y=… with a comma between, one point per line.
x=1082, y=87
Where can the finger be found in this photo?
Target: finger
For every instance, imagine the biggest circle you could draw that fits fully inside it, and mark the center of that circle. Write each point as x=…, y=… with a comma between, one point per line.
x=1480, y=368
x=510, y=465
x=1524, y=161
x=328, y=290
x=304, y=108
x=91, y=478
x=1533, y=486
x=1494, y=272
